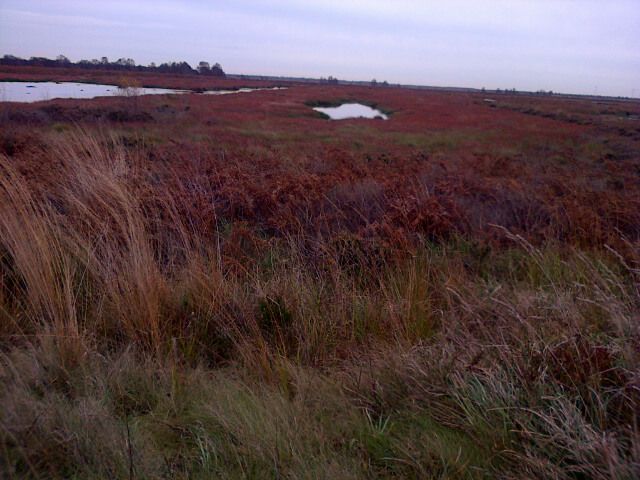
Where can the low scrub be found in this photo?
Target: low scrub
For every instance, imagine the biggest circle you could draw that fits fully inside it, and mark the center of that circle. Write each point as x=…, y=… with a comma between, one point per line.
x=138, y=341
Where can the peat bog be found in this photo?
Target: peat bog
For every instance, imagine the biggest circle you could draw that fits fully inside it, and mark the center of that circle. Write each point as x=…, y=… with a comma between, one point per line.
x=202, y=286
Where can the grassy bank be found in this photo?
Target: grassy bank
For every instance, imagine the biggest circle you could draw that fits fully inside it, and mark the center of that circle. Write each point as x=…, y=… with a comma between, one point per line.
x=140, y=342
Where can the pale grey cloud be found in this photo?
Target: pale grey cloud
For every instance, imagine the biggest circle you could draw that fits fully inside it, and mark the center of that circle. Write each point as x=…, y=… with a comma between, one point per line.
x=565, y=45
x=36, y=18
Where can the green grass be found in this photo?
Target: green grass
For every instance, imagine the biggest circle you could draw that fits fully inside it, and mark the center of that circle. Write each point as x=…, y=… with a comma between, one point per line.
x=443, y=141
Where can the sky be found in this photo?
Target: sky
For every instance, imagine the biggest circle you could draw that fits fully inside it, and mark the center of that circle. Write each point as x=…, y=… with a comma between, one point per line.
x=571, y=46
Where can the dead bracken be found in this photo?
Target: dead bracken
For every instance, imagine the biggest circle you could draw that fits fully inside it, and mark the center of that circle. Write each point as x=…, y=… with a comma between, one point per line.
x=230, y=286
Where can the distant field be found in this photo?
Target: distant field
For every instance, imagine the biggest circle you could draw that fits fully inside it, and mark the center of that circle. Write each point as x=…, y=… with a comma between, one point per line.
x=233, y=286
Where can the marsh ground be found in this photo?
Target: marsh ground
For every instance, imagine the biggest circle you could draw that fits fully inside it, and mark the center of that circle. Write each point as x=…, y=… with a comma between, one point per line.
x=235, y=286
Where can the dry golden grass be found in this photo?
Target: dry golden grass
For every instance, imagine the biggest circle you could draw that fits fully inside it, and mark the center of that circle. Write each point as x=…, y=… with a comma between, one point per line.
x=135, y=345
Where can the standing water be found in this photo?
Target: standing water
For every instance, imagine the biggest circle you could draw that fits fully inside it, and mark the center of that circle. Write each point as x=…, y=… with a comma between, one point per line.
x=351, y=110
x=39, y=91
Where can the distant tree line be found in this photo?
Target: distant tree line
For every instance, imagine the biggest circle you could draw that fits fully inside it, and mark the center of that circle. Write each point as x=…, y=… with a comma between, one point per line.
x=123, y=64
x=514, y=91
x=330, y=80
x=376, y=83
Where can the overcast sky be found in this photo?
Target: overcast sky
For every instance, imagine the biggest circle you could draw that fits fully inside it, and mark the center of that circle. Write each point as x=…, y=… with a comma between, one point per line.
x=576, y=46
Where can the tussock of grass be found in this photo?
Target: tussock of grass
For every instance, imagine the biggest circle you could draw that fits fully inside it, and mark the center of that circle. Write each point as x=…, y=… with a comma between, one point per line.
x=135, y=345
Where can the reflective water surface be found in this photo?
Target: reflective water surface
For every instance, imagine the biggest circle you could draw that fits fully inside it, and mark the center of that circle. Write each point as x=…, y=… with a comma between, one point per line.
x=39, y=91
x=240, y=90
x=351, y=110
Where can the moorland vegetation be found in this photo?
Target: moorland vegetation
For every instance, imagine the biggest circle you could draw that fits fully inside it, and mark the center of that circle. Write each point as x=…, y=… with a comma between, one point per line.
x=235, y=287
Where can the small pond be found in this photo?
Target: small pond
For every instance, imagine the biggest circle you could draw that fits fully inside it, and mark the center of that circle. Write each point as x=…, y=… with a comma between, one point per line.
x=39, y=91
x=351, y=110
